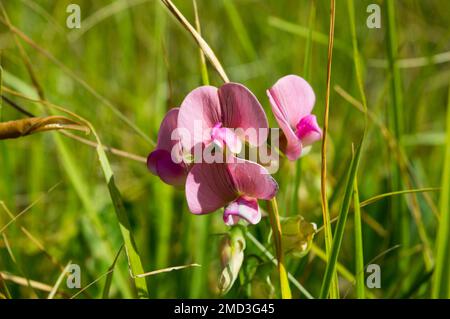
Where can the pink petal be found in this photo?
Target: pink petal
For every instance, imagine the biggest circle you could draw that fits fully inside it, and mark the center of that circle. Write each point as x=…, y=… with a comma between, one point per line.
x=292, y=148
x=168, y=125
x=209, y=187
x=199, y=112
x=160, y=163
x=224, y=135
x=241, y=109
x=243, y=207
x=308, y=130
x=293, y=97
x=252, y=180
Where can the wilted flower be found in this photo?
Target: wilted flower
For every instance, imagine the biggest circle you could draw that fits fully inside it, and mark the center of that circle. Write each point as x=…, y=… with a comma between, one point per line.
x=166, y=161
x=292, y=100
x=209, y=115
x=237, y=184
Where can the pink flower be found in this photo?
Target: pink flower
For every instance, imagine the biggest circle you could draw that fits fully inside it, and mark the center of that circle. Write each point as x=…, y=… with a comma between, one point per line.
x=209, y=114
x=166, y=160
x=237, y=185
x=292, y=100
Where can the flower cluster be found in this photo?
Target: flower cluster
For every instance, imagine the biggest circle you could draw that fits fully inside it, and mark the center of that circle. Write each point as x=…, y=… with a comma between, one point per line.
x=224, y=120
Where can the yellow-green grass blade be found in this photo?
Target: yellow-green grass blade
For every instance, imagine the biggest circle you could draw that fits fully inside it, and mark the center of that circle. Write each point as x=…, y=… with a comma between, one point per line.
x=338, y=235
x=334, y=291
x=359, y=254
x=274, y=218
x=441, y=276
x=379, y=197
x=55, y=288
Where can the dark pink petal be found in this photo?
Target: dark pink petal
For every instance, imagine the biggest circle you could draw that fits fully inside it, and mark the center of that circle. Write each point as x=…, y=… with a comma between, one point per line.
x=199, y=112
x=168, y=125
x=252, y=180
x=152, y=162
x=293, y=98
x=241, y=109
x=160, y=163
x=167, y=136
x=243, y=207
x=308, y=131
x=209, y=187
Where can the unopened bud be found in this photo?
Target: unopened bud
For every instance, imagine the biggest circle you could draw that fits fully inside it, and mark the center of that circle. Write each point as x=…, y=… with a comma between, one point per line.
x=232, y=255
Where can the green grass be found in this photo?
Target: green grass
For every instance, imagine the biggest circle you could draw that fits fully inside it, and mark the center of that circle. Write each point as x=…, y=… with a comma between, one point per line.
x=441, y=276
x=134, y=61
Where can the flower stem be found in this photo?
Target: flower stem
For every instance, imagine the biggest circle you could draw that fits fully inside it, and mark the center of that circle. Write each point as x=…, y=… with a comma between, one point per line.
x=276, y=229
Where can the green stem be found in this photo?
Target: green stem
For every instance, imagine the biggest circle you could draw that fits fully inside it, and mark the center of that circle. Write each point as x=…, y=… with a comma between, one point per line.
x=298, y=174
x=276, y=229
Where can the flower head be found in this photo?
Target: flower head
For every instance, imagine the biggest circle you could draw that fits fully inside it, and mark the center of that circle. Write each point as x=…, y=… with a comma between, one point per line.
x=237, y=184
x=166, y=160
x=209, y=115
x=292, y=100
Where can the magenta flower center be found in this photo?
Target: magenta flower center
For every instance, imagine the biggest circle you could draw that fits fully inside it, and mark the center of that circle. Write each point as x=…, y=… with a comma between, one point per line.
x=307, y=130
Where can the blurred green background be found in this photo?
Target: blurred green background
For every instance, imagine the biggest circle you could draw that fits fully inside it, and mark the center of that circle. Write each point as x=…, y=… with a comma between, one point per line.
x=141, y=62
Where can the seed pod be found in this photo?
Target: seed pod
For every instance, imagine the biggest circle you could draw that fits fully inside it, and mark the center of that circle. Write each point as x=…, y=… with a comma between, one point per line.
x=23, y=127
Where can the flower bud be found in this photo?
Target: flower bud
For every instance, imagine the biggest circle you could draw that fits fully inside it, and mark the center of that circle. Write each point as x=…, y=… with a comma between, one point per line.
x=232, y=255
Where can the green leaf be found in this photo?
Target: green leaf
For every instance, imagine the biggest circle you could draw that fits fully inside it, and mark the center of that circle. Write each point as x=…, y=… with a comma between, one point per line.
x=134, y=259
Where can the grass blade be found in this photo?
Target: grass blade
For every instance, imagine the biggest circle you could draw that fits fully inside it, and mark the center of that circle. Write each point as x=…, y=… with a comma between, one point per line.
x=376, y=198
x=203, y=66
x=330, y=270
x=276, y=229
x=395, y=121
x=359, y=254
x=323, y=175
x=198, y=38
x=54, y=290
x=109, y=276
x=441, y=276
